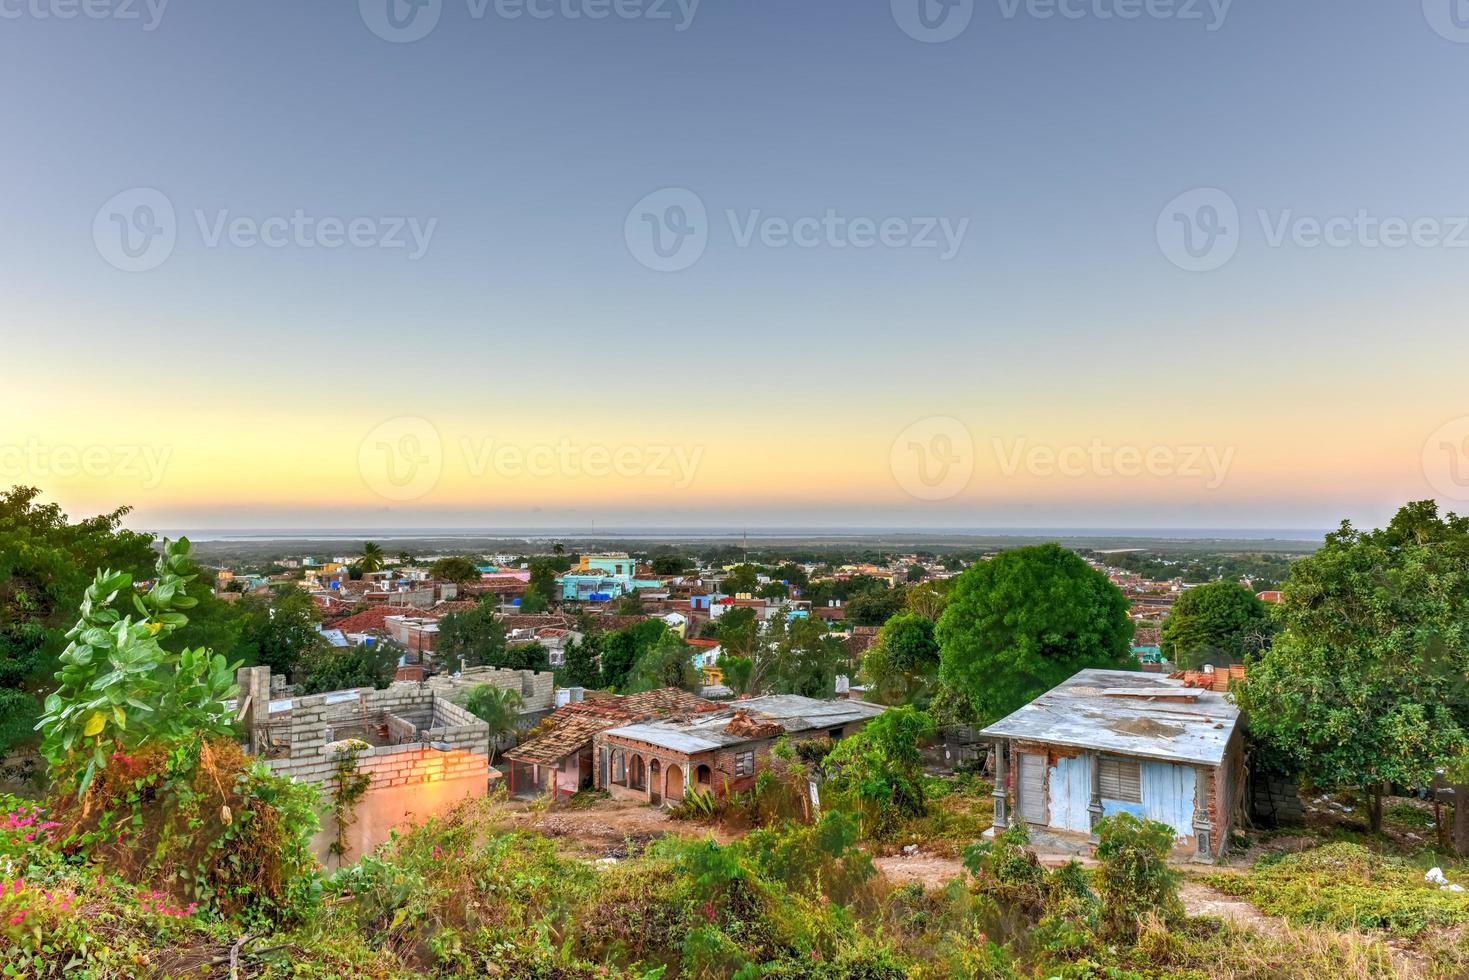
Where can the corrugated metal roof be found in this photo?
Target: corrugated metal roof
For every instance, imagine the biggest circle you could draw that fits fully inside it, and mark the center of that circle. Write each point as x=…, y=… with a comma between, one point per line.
x=1082, y=714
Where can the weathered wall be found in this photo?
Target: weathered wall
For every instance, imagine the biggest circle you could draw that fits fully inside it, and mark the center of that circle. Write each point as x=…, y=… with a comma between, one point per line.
x=409, y=785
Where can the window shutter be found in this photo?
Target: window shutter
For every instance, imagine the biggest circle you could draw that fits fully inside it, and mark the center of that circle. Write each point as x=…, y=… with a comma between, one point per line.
x=1121, y=781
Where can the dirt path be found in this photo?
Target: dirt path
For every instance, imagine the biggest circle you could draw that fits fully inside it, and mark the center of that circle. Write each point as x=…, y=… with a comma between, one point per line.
x=611, y=828
x=1201, y=899
x=928, y=870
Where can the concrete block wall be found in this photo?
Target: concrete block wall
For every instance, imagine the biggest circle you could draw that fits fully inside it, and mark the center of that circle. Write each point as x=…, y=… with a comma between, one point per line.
x=404, y=707
x=536, y=688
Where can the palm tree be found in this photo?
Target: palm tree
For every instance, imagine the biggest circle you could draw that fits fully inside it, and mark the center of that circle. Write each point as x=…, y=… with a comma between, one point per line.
x=498, y=707
x=372, y=558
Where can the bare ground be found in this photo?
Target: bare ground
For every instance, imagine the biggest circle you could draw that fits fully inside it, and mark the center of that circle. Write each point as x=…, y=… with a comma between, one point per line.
x=608, y=828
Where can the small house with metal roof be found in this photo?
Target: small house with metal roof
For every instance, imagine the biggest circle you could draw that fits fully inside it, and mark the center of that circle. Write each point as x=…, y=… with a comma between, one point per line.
x=1113, y=741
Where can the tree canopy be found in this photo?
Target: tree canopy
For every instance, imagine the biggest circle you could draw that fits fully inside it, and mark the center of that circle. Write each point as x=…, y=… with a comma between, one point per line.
x=1026, y=620
x=903, y=665
x=1366, y=682
x=1219, y=624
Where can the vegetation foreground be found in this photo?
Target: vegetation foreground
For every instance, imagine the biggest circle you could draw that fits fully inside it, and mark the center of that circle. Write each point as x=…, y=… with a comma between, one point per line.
x=468, y=895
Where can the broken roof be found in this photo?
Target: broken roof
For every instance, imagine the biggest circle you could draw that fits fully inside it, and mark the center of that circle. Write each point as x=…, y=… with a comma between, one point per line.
x=1129, y=713
x=713, y=730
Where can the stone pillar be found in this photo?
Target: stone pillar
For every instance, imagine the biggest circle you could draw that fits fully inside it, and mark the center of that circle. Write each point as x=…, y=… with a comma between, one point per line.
x=1002, y=749
x=254, y=699
x=1203, y=828
x=1094, y=808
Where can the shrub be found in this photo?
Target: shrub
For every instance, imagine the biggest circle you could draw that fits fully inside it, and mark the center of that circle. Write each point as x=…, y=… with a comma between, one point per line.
x=1134, y=878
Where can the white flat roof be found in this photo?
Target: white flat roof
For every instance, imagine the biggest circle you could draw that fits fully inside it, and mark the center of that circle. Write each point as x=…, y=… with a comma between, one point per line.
x=704, y=732
x=1129, y=713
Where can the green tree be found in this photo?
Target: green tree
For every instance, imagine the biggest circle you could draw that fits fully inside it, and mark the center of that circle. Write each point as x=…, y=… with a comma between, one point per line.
x=498, y=707
x=668, y=664
x=742, y=579
x=329, y=668
x=621, y=650
x=670, y=565
x=372, y=558
x=1025, y=621
x=880, y=769
x=582, y=662
x=457, y=569
x=873, y=607
x=1220, y=624
x=797, y=657
x=46, y=564
x=540, y=592
x=903, y=665
x=280, y=630
x=475, y=636
x=1366, y=682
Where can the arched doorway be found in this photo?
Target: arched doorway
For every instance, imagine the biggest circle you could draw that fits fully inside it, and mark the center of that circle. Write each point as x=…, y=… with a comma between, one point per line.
x=655, y=773
x=637, y=775
x=703, y=778
x=673, y=784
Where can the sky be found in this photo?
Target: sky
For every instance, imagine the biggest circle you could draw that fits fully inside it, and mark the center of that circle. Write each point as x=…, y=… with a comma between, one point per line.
x=916, y=263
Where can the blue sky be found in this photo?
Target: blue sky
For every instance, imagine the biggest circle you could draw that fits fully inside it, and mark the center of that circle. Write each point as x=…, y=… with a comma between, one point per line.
x=1058, y=141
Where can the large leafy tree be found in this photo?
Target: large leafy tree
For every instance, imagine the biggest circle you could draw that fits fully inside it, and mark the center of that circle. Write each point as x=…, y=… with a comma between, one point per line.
x=903, y=665
x=457, y=569
x=279, y=631
x=475, y=636
x=46, y=564
x=1366, y=682
x=621, y=650
x=796, y=657
x=668, y=664
x=1220, y=624
x=329, y=668
x=1026, y=620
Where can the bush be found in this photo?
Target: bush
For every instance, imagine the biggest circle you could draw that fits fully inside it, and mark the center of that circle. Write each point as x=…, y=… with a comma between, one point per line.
x=1346, y=886
x=1134, y=878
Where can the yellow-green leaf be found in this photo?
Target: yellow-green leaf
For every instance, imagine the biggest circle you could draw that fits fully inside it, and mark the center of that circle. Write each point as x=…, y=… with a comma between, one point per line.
x=95, y=722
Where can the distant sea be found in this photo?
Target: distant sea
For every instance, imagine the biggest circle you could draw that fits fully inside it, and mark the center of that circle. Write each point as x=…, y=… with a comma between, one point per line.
x=734, y=534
